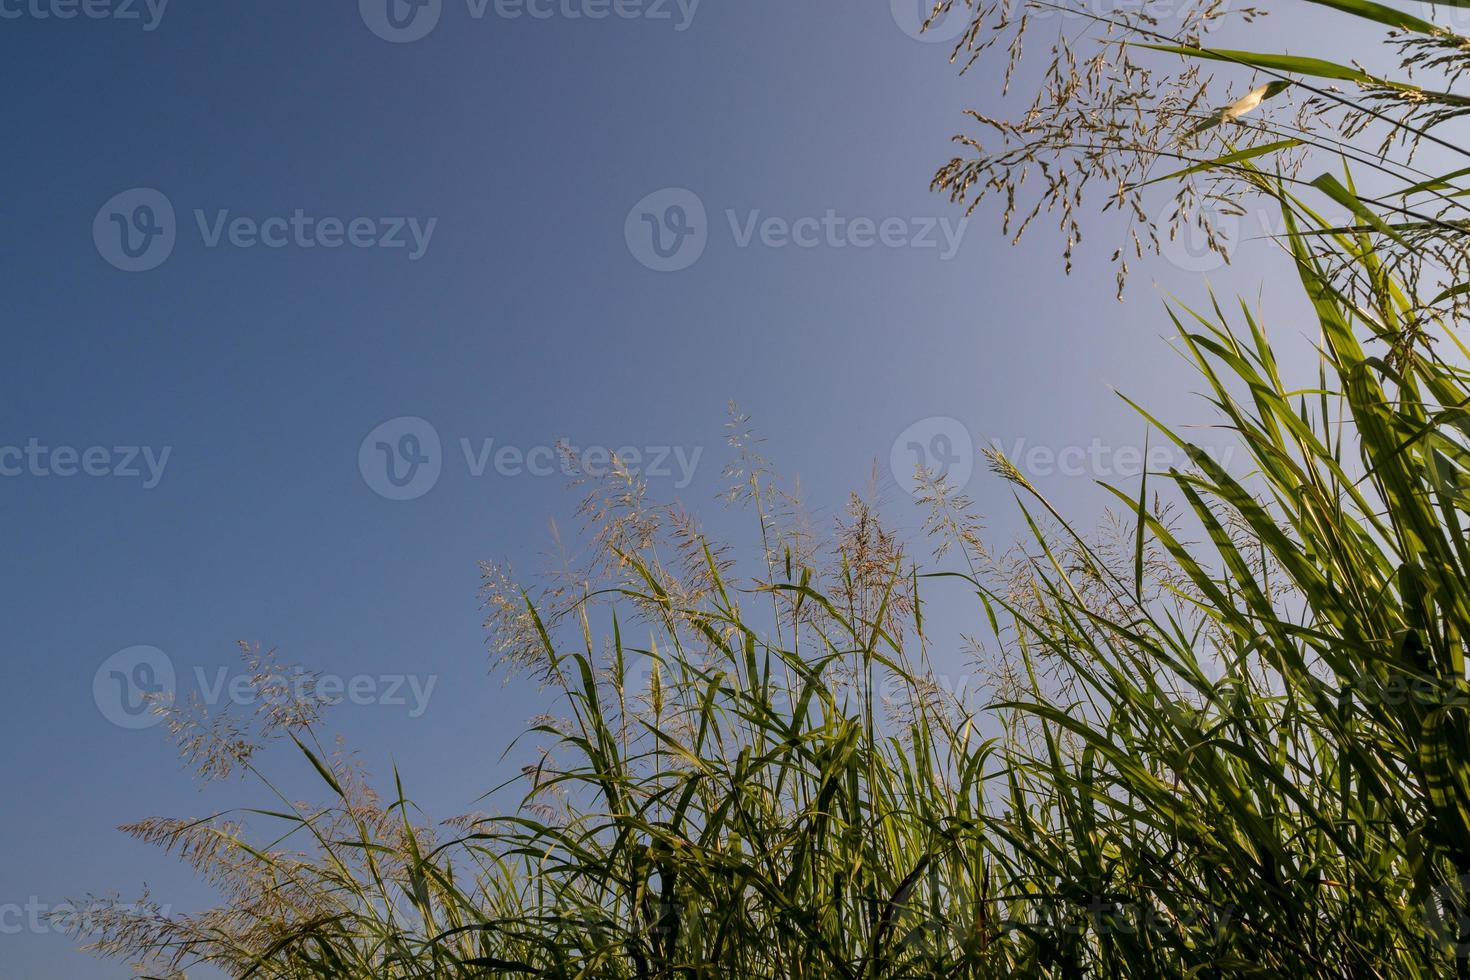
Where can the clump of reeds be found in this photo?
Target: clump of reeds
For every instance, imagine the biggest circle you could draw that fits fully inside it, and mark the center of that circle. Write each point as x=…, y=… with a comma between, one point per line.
x=1245, y=754
x=1227, y=736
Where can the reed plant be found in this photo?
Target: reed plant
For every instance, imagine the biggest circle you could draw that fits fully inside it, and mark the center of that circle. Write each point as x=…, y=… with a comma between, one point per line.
x=1228, y=735
x=1228, y=738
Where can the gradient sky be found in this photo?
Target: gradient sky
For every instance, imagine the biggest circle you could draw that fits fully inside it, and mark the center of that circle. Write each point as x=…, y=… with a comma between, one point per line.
x=531, y=315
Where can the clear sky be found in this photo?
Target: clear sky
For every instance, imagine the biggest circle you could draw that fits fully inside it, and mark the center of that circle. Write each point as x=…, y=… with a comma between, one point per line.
x=254, y=253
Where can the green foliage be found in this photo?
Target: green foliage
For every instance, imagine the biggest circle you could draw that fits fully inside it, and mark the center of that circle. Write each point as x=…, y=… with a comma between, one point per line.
x=1230, y=739
x=1245, y=756
x=1139, y=89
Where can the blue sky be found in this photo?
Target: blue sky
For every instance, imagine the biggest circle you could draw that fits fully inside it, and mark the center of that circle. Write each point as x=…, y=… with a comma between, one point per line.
x=254, y=253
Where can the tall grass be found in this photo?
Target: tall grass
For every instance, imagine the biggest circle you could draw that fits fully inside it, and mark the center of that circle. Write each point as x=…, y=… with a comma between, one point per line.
x=1230, y=737
x=1244, y=755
